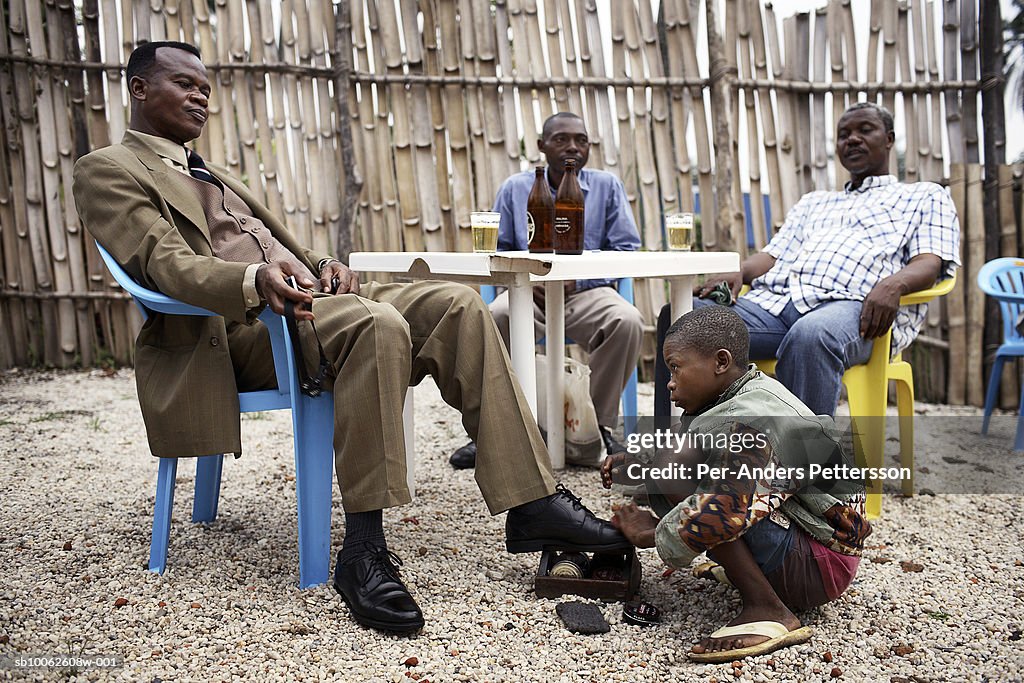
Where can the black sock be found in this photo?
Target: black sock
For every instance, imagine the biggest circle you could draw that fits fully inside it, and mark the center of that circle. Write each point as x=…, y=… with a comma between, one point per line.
x=362, y=528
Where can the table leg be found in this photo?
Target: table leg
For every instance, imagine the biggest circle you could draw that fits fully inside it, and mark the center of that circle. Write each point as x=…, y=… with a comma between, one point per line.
x=520, y=306
x=681, y=289
x=554, y=329
x=681, y=298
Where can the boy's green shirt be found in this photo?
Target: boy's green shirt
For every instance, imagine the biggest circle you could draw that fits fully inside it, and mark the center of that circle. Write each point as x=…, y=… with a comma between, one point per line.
x=722, y=510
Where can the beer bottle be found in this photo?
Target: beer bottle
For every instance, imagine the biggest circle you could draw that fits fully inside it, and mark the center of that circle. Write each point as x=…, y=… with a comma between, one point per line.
x=568, y=237
x=540, y=212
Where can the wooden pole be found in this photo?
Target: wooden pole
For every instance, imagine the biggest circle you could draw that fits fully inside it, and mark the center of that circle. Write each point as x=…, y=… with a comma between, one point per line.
x=787, y=128
x=994, y=120
x=764, y=101
x=975, y=252
x=1009, y=393
x=969, y=66
x=353, y=183
x=956, y=306
x=819, y=159
x=721, y=94
x=458, y=132
x=951, y=69
x=40, y=265
x=10, y=216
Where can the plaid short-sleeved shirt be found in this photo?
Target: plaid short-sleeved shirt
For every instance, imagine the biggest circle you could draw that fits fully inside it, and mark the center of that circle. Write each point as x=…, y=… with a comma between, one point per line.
x=836, y=246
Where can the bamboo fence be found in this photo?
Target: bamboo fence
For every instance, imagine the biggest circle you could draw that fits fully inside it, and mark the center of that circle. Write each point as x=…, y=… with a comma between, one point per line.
x=380, y=124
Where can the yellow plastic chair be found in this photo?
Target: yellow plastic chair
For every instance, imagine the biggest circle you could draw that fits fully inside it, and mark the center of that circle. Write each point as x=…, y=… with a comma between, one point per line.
x=867, y=388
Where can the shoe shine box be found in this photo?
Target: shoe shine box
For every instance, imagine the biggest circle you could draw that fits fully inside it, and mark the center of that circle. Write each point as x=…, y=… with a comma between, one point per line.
x=547, y=586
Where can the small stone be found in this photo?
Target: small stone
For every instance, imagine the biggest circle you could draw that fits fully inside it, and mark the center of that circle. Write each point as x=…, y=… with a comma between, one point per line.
x=902, y=650
x=881, y=559
x=161, y=604
x=411, y=520
x=411, y=661
x=120, y=602
x=911, y=566
x=67, y=545
x=422, y=550
x=836, y=672
x=195, y=605
x=4, y=639
x=827, y=657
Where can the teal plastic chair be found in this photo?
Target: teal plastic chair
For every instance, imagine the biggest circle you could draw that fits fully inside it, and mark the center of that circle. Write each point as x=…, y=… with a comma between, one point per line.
x=313, y=431
x=629, y=409
x=1003, y=280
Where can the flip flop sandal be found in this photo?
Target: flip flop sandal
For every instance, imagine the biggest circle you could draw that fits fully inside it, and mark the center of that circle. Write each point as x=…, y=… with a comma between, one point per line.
x=778, y=637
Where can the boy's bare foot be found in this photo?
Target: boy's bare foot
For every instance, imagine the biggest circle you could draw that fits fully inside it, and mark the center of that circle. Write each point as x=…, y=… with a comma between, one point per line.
x=748, y=615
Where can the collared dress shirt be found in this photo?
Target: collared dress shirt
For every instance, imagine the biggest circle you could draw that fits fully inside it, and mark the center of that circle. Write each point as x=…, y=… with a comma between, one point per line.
x=176, y=157
x=836, y=246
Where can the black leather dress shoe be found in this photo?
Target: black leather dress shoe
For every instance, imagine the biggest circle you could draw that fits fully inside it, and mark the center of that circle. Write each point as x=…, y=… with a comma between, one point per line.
x=370, y=586
x=464, y=458
x=559, y=522
x=611, y=444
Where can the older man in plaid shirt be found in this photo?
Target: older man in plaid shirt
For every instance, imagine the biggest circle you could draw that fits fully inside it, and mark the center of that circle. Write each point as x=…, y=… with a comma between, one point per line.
x=830, y=281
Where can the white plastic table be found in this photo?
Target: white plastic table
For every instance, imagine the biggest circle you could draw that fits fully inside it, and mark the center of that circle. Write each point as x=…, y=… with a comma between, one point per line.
x=520, y=270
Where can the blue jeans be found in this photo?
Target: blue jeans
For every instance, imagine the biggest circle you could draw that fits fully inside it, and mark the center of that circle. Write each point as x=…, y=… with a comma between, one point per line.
x=813, y=349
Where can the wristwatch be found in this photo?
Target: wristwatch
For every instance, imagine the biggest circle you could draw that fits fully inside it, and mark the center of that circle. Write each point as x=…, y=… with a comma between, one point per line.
x=322, y=263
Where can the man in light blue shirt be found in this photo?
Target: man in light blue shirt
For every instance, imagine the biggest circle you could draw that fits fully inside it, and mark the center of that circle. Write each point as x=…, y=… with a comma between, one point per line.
x=596, y=317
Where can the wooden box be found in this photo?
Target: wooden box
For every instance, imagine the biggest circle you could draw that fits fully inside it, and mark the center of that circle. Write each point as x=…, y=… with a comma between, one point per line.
x=554, y=586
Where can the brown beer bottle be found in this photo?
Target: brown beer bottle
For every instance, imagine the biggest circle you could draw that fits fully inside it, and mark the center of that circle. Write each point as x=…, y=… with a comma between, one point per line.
x=568, y=237
x=540, y=212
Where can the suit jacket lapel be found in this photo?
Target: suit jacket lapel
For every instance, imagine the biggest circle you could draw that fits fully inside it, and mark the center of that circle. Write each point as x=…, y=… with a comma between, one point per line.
x=174, y=186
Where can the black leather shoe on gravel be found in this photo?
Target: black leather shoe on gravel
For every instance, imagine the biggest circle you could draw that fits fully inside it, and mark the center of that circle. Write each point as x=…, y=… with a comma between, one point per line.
x=560, y=522
x=370, y=586
x=464, y=458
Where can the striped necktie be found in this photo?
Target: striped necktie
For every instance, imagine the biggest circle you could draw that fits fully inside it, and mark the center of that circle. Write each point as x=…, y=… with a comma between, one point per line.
x=197, y=169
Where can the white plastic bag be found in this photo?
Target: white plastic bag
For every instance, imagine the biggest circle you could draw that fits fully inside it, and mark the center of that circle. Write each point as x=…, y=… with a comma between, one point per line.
x=583, y=443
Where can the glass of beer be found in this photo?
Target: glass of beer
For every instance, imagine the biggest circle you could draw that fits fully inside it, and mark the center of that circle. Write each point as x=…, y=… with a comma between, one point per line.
x=679, y=231
x=485, y=231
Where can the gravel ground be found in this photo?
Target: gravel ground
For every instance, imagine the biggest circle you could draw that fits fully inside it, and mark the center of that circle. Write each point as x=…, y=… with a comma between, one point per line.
x=939, y=596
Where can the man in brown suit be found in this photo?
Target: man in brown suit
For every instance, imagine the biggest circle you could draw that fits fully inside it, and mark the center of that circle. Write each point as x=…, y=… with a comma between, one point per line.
x=198, y=235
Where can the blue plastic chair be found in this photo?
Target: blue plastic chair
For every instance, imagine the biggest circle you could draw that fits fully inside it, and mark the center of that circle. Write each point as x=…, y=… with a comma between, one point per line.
x=1003, y=280
x=629, y=410
x=313, y=429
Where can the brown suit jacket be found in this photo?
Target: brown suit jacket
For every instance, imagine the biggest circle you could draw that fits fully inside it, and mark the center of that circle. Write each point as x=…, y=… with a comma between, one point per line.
x=146, y=215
